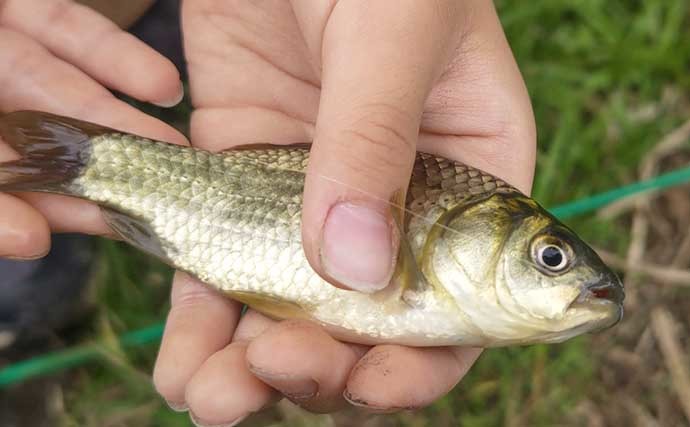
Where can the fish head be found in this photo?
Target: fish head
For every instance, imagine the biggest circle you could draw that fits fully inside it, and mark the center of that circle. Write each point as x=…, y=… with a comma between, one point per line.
x=518, y=275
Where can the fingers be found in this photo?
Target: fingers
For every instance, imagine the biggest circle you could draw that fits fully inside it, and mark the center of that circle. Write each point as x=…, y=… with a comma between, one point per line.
x=33, y=78
x=200, y=323
x=303, y=362
x=24, y=233
x=97, y=46
x=372, y=98
x=197, y=369
x=68, y=214
x=223, y=391
x=390, y=377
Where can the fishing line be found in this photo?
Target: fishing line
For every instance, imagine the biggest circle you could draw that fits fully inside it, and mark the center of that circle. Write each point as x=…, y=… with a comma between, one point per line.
x=67, y=358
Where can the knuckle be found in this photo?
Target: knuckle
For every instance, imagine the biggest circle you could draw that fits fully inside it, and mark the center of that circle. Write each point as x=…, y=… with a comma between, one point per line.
x=378, y=141
x=372, y=165
x=368, y=148
x=386, y=126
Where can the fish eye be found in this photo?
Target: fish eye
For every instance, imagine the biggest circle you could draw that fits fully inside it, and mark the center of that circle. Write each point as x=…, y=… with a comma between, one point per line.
x=551, y=255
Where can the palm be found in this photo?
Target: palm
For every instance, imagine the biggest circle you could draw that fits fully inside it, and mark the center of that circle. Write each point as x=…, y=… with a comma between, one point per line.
x=255, y=73
x=249, y=71
x=255, y=77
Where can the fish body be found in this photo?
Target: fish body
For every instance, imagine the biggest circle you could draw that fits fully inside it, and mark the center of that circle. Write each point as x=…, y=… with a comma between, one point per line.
x=468, y=273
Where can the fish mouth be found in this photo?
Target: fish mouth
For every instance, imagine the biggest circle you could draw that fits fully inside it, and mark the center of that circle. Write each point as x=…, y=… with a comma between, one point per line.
x=605, y=294
x=611, y=290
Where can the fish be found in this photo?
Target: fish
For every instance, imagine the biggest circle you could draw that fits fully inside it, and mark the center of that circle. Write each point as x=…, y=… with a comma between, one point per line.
x=479, y=264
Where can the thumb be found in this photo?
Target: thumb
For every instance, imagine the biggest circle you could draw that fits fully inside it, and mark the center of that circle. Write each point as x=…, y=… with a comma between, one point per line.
x=379, y=66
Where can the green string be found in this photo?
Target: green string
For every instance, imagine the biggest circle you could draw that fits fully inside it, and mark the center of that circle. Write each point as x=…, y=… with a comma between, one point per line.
x=597, y=201
x=74, y=356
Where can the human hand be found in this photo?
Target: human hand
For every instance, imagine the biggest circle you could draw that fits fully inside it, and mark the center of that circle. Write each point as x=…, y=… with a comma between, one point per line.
x=369, y=84
x=60, y=57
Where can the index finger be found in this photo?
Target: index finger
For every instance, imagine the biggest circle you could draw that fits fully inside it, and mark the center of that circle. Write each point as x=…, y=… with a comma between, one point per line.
x=83, y=37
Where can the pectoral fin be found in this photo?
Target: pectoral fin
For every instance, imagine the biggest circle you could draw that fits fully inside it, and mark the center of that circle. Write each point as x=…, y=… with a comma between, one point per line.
x=407, y=273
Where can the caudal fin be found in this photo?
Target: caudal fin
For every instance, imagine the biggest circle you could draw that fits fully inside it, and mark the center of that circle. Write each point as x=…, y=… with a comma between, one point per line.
x=53, y=150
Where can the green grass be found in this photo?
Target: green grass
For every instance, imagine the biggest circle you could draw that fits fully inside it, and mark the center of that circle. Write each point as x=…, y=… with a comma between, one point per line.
x=592, y=68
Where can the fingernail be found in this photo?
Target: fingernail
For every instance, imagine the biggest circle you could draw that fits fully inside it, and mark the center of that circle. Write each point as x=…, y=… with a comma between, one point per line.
x=177, y=407
x=363, y=404
x=294, y=388
x=172, y=102
x=200, y=423
x=357, y=247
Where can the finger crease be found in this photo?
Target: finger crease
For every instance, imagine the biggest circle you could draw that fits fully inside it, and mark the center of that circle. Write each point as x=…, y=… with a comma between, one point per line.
x=194, y=298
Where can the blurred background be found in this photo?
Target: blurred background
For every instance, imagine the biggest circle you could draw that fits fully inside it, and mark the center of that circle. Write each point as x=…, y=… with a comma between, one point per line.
x=610, y=86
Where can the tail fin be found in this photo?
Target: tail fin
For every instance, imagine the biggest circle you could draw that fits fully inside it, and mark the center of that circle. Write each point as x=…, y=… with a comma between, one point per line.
x=53, y=150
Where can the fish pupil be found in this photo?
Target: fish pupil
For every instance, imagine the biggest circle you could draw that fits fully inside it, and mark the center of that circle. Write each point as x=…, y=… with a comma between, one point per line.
x=552, y=256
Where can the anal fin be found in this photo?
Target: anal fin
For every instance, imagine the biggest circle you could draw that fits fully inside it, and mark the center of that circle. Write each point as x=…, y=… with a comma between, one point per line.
x=270, y=306
x=137, y=232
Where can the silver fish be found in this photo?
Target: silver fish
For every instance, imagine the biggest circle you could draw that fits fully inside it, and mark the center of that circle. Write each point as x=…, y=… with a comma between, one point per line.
x=480, y=263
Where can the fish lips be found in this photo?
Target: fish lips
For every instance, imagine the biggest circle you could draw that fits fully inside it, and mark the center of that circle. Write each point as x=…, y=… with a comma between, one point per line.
x=606, y=291
x=611, y=290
